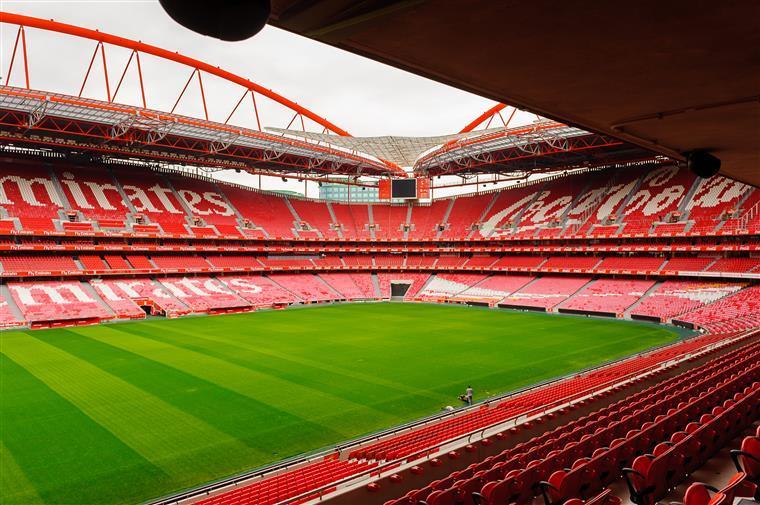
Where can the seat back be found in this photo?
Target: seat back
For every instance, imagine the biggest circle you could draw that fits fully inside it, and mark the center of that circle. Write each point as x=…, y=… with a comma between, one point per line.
x=697, y=494
x=467, y=487
x=751, y=460
x=443, y=497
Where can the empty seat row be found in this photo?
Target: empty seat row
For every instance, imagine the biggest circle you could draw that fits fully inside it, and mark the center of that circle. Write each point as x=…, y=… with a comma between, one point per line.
x=580, y=458
x=524, y=404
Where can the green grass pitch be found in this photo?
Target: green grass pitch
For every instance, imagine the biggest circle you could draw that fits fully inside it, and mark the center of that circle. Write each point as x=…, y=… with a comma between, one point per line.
x=123, y=413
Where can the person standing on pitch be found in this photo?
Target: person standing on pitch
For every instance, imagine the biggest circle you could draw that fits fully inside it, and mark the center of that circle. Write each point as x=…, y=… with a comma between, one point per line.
x=468, y=395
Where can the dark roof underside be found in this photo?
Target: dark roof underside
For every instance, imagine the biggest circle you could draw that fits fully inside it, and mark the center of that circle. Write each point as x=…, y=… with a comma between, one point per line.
x=671, y=76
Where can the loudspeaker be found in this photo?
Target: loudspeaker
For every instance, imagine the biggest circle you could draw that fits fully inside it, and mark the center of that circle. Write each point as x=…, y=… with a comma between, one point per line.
x=703, y=164
x=230, y=20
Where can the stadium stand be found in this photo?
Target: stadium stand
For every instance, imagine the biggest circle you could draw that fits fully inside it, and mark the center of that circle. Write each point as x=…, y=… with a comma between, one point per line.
x=729, y=310
x=28, y=193
x=545, y=213
x=450, y=261
x=285, y=262
x=55, y=303
x=359, y=217
x=116, y=262
x=234, y=261
x=175, y=201
x=268, y=212
x=519, y=262
x=742, y=484
x=315, y=216
x=291, y=484
x=38, y=265
x=480, y=261
x=104, y=216
x=581, y=457
x=203, y=294
x=419, y=261
x=713, y=198
x=415, y=281
x=570, y=263
x=745, y=218
x=659, y=194
x=344, y=284
x=259, y=291
x=673, y=298
x=606, y=212
x=620, y=264
x=389, y=221
x=444, y=286
x=495, y=287
x=344, y=217
x=364, y=282
x=8, y=318
x=179, y=262
x=696, y=264
x=545, y=292
x=389, y=260
x=735, y=265
x=140, y=262
x=144, y=292
x=92, y=262
x=504, y=217
x=151, y=196
x=203, y=228
x=353, y=260
x=465, y=216
x=308, y=287
x=93, y=192
x=426, y=221
x=113, y=295
x=209, y=210
x=610, y=296
x=329, y=262
x=583, y=214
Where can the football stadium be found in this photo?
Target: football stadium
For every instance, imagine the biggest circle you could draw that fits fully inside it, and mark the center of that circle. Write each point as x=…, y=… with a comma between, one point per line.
x=550, y=305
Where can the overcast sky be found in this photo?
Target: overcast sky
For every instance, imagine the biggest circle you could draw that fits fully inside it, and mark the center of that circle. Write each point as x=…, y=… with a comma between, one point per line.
x=360, y=95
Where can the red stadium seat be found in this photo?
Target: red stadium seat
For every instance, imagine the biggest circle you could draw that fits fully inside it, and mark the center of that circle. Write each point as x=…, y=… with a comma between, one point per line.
x=747, y=458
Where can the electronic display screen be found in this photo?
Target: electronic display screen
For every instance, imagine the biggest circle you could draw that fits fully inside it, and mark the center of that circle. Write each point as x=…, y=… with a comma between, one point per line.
x=404, y=188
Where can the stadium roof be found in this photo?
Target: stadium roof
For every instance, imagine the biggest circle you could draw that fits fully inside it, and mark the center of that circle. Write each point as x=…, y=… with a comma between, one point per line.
x=65, y=121
x=403, y=151
x=669, y=76
x=543, y=146
x=104, y=127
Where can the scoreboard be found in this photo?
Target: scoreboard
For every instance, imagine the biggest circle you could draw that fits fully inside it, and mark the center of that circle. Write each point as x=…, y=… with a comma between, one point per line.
x=407, y=189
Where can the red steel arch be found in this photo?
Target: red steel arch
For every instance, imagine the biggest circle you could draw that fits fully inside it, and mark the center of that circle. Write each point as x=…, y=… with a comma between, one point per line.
x=502, y=148
x=486, y=115
x=493, y=112
x=141, y=47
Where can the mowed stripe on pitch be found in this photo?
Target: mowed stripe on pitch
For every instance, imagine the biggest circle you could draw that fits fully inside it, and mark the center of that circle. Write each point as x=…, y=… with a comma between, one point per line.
x=15, y=486
x=234, y=373
x=285, y=395
x=153, y=428
x=257, y=424
x=65, y=456
x=327, y=376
